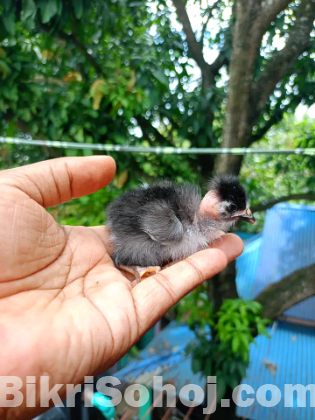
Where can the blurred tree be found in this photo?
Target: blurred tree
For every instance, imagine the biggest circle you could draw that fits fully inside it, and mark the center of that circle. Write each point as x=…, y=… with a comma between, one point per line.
x=279, y=178
x=137, y=72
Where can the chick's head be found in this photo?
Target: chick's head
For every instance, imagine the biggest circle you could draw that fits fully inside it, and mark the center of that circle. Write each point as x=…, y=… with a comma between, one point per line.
x=226, y=200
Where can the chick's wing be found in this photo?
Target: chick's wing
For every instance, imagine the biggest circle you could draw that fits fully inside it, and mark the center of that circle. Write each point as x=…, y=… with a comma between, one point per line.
x=160, y=222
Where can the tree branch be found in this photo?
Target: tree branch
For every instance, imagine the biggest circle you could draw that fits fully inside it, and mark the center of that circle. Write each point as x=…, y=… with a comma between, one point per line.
x=148, y=128
x=277, y=115
x=223, y=286
x=261, y=17
x=210, y=12
x=283, y=61
x=266, y=15
x=49, y=80
x=275, y=118
x=267, y=205
x=195, y=47
x=204, y=28
x=81, y=47
x=289, y=291
x=272, y=9
x=236, y=130
x=252, y=20
x=223, y=58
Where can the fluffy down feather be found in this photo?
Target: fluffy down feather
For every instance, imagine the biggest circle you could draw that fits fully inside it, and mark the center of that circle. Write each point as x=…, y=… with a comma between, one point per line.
x=155, y=225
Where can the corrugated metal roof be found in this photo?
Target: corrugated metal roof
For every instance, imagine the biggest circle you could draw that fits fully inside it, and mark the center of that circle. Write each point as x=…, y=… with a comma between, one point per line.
x=286, y=358
x=288, y=244
x=246, y=266
x=165, y=356
x=246, y=236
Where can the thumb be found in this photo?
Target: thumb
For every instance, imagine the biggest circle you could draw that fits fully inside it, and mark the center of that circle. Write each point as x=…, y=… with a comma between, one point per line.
x=56, y=181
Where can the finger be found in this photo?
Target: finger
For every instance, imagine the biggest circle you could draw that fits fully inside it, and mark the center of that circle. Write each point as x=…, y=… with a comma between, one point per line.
x=58, y=180
x=232, y=245
x=157, y=294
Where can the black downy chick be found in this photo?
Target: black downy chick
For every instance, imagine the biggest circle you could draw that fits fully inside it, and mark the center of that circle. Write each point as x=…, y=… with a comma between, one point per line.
x=153, y=226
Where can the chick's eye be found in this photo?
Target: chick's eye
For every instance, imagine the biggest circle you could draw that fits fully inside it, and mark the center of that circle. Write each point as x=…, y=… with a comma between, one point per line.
x=232, y=207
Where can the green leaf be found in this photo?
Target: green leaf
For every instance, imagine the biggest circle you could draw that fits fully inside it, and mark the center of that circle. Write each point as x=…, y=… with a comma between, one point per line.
x=262, y=330
x=136, y=4
x=255, y=307
x=10, y=131
x=221, y=386
x=196, y=126
x=71, y=152
x=134, y=351
x=208, y=367
x=233, y=382
x=245, y=339
x=87, y=152
x=241, y=367
x=235, y=343
x=26, y=114
x=29, y=9
x=237, y=323
x=4, y=69
x=245, y=355
x=79, y=136
x=7, y=4
x=17, y=65
x=48, y=9
x=243, y=311
x=9, y=23
x=78, y=8
x=233, y=366
x=59, y=3
x=196, y=365
x=161, y=77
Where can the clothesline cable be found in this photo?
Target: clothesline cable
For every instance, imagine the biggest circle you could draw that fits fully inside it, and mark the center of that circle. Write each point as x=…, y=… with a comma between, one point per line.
x=157, y=150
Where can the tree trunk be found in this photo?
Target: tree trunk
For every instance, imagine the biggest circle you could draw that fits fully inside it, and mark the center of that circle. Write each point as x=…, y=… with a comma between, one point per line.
x=289, y=291
x=247, y=97
x=237, y=130
x=223, y=286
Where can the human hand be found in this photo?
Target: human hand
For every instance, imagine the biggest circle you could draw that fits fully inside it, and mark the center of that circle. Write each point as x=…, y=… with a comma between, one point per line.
x=65, y=310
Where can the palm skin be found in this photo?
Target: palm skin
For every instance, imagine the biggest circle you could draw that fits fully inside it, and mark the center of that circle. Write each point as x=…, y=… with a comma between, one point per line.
x=65, y=310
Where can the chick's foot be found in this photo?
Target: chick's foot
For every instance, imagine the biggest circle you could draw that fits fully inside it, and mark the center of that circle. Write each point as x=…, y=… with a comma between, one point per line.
x=140, y=273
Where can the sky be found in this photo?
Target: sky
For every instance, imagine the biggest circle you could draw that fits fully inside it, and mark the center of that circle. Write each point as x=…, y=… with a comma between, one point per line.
x=303, y=110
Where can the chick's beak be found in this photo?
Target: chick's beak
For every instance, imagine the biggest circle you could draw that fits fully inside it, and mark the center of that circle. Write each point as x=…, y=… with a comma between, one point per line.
x=246, y=216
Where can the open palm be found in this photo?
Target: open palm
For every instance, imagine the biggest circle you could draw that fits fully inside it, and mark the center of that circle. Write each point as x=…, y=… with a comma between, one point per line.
x=65, y=310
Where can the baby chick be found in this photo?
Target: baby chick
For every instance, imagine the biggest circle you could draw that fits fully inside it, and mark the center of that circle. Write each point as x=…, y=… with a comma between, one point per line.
x=153, y=226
